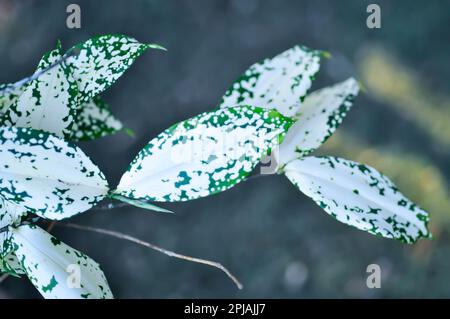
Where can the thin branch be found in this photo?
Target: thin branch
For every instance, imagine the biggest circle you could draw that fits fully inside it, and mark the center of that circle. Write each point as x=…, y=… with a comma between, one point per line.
x=154, y=247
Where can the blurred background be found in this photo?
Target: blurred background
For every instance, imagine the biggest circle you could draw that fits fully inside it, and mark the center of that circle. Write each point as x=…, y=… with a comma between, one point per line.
x=272, y=237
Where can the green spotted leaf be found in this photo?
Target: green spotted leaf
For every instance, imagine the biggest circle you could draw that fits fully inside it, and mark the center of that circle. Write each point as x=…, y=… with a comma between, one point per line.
x=48, y=263
x=8, y=96
x=102, y=60
x=279, y=83
x=360, y=196
x=47, y=175
x=95, y=120
x=10, y=265
x=204, y=155
x=49, y=102
x=317, y=119
x=10, y=214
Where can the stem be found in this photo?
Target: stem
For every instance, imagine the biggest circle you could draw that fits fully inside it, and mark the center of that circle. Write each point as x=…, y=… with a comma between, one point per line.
x=154, y=247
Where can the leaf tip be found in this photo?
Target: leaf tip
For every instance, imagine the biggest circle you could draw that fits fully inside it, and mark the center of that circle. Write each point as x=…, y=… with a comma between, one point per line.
x=128, y=131
x=156, y=46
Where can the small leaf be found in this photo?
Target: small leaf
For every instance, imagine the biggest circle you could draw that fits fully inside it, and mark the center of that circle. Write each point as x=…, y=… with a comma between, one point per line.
x=102, y=60
x=47, y=175
x=47, y=261
x=279, y=83
x=95, y=120
x=360, y=196
x=318, y=118
x=48, y=103
x=141, y=204
x=204, y=155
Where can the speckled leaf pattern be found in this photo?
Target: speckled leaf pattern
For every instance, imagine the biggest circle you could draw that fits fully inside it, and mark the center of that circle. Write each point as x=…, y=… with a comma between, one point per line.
x=204, y=155
x=9, y=97
x=360, y=196
x=47, y=175
x=48, y=103
x=10, y=265
x=279, y=83
x=46, y=260
x=318, y=118
x=102, y=60
x=10, y=214
x=95, y=120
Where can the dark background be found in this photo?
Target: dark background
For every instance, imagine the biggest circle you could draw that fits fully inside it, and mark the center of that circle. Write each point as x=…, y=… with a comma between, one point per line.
x=273, y=238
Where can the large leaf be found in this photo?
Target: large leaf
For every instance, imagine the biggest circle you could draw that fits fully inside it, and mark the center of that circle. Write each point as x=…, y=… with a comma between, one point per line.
x=47, y=175
x=318, y=117
x=100, y=61
x=46, y=261
x=360, y=196
x=279, y=83
x=206, y=154
x=95, y=120
x=48, y=102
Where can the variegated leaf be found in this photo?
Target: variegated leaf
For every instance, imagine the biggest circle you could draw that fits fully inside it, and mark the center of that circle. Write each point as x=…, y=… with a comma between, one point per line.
x=47, y=175
x=95, y=120
x=10, y=265
x=48, y=263
x=204, y=155
x=318, y=118
x=360, y=196
x=8, y=96
x=102, y=60
x=10, y=214
x=279, y=83
x=49, y=102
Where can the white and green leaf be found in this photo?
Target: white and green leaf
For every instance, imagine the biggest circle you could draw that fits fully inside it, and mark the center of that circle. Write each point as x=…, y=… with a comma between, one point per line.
x=360, y=196
x=279, y=83
x=47, y=175
x=100, y=61
x=49, y=102
x=10, y=214
x=48, y=263
x=319, y=116
x=95, y=120
x=204, y=155
x=10, y=265
x=8, y=96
